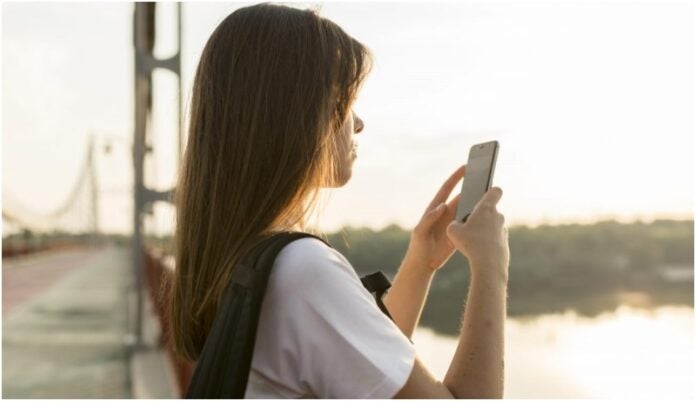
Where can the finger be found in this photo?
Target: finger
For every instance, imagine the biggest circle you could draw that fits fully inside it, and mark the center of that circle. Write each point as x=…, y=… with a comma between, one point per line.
x=431, y=217
x=452, y=206
x=453, y=228
x=492, y=196
x=454, y=201
x=489, y=200
x=447, y=187
x=435, y=213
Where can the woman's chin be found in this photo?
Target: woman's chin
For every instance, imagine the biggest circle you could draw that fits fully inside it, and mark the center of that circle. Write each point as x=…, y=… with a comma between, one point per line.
x=346, y=175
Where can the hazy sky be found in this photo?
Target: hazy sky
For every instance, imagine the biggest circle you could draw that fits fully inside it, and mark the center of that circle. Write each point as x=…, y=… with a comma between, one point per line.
x=592, y=103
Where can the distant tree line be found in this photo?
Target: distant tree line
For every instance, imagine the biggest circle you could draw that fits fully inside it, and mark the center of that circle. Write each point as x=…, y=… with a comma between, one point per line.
x=586, y=268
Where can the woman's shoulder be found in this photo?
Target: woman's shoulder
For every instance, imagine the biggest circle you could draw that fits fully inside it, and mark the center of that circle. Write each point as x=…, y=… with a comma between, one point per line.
x=309, y=260
x=304, y=247
x=310, y=251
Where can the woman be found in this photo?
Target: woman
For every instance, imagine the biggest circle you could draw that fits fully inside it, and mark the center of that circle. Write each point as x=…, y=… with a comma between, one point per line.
x=271, y=124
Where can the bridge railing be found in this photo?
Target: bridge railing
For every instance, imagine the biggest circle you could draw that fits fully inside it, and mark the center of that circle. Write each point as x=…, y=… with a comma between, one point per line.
x=13, y=247
x=159, y=275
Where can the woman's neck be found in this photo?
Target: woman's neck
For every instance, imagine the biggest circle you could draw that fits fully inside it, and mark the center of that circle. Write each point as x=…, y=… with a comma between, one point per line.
x=284, y=227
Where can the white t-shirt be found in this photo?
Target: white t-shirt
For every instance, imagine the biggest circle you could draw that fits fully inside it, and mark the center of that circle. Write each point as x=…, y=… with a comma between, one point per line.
x=321, y=334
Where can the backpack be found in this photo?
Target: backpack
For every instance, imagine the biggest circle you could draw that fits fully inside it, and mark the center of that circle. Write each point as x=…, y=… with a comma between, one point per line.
x=223, y=367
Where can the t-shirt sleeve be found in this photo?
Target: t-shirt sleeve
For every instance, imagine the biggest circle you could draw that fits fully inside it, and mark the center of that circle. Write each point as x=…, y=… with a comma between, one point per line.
x=346, y=346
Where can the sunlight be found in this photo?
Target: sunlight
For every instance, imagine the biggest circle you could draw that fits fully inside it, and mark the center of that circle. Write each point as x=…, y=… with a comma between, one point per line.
x=635, y=354
x=629, y=353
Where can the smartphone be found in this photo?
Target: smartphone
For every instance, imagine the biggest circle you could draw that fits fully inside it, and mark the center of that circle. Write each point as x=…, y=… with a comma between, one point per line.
x=478, y=177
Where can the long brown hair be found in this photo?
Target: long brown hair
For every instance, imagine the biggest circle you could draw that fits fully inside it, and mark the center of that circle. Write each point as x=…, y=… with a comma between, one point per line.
x=272, y=89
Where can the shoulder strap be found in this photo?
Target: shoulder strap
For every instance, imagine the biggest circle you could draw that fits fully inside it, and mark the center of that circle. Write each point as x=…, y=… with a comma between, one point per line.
x=222, y=370
x=378, y=284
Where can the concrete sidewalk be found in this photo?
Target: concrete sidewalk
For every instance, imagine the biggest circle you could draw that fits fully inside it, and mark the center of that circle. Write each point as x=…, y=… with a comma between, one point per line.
x=70, y=341
x=25, y=276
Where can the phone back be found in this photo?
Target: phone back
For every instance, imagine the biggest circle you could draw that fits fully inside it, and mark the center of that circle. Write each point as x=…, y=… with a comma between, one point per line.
x=477, y=178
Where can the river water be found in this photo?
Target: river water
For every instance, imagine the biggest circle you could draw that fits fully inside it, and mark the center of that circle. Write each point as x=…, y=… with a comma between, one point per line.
x=629, y=353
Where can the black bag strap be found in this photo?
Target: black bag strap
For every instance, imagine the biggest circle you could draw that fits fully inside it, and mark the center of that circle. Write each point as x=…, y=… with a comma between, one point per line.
x=222, y=369
x=379, y=284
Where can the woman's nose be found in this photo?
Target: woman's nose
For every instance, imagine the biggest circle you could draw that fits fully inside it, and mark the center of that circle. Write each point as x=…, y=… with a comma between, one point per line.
x=359, y=124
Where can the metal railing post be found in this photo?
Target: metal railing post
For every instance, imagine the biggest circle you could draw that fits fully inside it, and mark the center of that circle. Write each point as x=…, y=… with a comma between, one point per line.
x=145, y=63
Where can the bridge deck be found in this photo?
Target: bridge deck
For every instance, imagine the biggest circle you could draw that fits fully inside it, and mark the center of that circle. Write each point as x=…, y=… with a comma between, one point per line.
x=65, y=321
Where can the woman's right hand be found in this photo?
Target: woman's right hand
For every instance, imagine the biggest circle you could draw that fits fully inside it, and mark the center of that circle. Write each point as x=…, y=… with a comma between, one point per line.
x=483, y=238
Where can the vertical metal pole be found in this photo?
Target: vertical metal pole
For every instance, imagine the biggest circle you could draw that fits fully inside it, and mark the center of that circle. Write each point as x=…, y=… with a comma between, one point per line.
x=138, y=24
x=145, y=63
x=94, y=212
x=143, y=36
x=179, y=115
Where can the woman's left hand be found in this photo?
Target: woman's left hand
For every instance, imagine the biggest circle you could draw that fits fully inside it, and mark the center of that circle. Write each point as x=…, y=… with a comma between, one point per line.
x=429, y=246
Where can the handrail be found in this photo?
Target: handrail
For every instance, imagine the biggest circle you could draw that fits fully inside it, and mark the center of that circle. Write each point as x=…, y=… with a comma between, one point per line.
x=159, y=275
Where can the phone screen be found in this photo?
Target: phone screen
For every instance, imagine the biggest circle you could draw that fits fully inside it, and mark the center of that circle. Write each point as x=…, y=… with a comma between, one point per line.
x=477, y=178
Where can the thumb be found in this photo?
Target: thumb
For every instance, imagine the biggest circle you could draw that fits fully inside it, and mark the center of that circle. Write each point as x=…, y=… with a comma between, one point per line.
x=452, y=229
